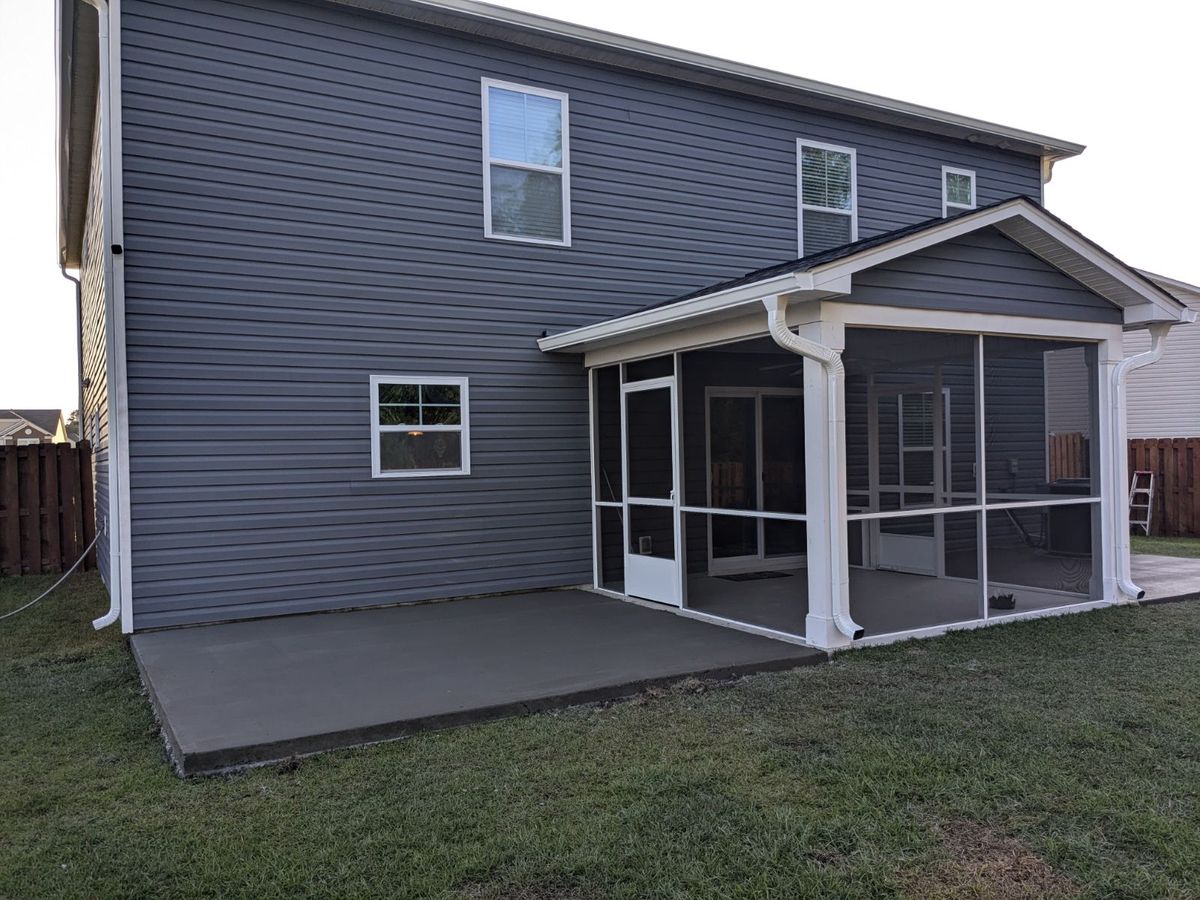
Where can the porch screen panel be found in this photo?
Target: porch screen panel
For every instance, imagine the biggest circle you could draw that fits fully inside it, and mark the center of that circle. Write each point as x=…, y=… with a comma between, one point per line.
x=648, y=441
x=606, y=434
x=928, y=577
x=1040, y=557
x=1039, y=406
x=910, y=419
x=611, y=548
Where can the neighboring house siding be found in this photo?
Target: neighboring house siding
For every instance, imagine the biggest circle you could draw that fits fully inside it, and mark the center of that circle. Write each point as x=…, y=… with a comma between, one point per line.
x=303, y=208
x=95, y=362
x=982, y=272
x=1163, y=400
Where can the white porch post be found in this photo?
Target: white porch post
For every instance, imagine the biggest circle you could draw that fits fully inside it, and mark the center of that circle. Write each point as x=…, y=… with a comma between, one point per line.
x=828, y=583
x=1109, y=462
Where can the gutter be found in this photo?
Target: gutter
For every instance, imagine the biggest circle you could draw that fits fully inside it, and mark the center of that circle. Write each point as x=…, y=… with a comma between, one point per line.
x=835, y=429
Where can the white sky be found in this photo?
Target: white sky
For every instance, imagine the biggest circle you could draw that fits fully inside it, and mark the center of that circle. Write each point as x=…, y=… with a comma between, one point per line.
x=1118, y=77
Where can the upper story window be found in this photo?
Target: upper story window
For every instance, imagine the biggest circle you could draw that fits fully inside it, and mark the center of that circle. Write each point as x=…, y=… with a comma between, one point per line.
x=419, y=426
x=958, y=190
x=526, y=164
x=828, y=196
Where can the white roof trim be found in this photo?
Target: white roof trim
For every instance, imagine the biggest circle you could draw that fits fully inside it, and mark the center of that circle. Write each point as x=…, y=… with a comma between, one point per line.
x=22, y=422
x=487, y=20
x=1021, y=221
x=673, y=316
x=1175, y=287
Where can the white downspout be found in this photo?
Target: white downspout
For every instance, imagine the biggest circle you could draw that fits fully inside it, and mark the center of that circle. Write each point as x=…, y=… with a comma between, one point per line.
x=835, y=372
x=117, y=584
x=1120, y=506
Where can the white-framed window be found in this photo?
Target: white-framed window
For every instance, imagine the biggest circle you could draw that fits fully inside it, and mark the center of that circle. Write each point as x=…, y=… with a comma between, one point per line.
x=958, y=190
x=828, y=196
x=526, y=164
x=420, y=425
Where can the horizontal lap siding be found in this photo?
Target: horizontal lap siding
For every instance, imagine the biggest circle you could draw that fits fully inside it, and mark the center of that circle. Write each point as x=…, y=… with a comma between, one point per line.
x=1163, y=400
x=981, y=272
x=93, y=317
x=303, y=208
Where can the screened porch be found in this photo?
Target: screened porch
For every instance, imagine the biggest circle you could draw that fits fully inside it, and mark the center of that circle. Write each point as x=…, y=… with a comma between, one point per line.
x=962, y=497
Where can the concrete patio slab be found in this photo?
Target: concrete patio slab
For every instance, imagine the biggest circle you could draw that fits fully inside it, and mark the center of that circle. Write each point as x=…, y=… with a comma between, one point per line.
x=1165, y=578
x=246, y=693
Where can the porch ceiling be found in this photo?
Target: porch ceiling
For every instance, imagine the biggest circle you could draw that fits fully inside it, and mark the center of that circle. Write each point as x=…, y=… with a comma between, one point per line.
x=829, y=275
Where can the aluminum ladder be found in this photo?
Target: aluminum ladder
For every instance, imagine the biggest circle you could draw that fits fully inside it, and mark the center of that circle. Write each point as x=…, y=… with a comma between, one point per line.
x=1141, y=488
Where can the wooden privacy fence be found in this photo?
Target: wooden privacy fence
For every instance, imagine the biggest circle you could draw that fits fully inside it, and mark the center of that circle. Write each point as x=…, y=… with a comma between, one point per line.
x=1068, y=455
x=1175, y=463
x=47, y=514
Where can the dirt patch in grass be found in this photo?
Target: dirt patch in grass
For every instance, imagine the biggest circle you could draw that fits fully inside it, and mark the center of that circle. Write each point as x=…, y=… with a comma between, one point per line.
x=982, y=862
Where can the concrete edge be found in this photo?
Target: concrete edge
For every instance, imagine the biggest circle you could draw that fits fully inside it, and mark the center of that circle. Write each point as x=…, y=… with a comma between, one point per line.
x=236, y=759
x=170, y=742
x=1173, y=598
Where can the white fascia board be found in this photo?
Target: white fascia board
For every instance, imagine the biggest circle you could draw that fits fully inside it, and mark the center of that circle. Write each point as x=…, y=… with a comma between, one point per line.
x=675, y=315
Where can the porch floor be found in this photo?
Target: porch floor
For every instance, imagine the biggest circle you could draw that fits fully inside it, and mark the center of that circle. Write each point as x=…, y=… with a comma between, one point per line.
x=883, y=602
x=244, y=693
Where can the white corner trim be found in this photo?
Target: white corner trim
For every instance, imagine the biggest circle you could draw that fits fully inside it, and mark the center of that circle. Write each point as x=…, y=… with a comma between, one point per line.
x=946, y=204
x=119, y=518
x=464, y=429
x=564, y=170
x=801, y=206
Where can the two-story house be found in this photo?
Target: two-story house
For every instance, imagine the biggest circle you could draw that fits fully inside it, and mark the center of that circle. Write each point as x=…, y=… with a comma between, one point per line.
x=398, y=300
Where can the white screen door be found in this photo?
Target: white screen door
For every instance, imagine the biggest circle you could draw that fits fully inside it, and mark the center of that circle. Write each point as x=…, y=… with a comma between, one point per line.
x=648, y=426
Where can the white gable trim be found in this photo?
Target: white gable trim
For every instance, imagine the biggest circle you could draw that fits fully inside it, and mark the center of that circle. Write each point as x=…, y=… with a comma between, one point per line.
x=1024, y=223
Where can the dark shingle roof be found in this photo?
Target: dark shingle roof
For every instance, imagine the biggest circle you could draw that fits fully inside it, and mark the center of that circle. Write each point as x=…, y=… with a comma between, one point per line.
x=45, y=419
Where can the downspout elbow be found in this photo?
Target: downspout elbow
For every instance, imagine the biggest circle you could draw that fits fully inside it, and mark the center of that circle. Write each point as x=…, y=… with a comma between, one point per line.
x=831, y=360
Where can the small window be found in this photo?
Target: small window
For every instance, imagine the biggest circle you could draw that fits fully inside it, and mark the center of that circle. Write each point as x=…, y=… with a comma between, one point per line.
x=958, y=191
x=828, y=209
x=526, y=161
x=419, y=426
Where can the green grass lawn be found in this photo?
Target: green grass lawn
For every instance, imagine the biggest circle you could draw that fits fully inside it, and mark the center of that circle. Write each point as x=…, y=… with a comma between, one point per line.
x=1054, y=757
x=1166, y=546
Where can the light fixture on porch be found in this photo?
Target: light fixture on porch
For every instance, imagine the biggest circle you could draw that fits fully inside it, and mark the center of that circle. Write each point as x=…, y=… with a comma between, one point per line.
x=416, y=434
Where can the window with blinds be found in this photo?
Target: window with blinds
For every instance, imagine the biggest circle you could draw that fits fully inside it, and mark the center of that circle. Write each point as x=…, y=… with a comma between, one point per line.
x=526, y=180
x=958, y=191
x=828, y=197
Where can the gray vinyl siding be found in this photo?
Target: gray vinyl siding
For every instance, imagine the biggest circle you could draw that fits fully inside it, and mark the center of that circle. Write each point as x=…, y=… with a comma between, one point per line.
x=981, y=272
x=93, y=321
x=303, y=209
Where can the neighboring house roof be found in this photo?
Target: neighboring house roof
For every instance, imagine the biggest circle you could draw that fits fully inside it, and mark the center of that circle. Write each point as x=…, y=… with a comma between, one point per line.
x=827, y=274
x=1188, y=294
x=44, y=420
x=77, y=85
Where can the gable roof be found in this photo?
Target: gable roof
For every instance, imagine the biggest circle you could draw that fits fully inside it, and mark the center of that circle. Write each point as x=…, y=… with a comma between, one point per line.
x=77, y=77
x=829, y=273
x=44, y=420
